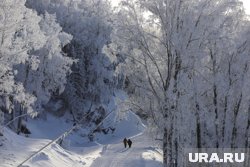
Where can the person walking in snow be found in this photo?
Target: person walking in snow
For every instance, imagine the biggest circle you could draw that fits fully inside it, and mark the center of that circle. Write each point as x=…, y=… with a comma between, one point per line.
x=125, y=142
x=129, y=143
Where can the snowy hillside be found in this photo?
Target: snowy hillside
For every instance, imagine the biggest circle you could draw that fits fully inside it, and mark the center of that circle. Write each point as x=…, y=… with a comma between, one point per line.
x=80, y=152
x=17, y=148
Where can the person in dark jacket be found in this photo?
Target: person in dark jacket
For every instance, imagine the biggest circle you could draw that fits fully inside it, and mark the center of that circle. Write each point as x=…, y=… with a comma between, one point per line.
x=125, y=141
x=129, y=143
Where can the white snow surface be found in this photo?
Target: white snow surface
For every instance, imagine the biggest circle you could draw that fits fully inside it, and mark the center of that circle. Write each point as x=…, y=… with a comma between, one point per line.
x=106, y=151
x=141, y=154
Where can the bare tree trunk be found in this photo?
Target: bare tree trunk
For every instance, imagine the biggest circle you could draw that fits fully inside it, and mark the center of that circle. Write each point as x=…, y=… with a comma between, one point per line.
x=174, y=113
x=198, y=126
x=247, y=139
x=247, y=129
x=165, y=147
x=224, y=120
x=223, y=132
x=19, y=123
x=170, y=142
x=236, y=111
x=215, y=94
x=216, y=114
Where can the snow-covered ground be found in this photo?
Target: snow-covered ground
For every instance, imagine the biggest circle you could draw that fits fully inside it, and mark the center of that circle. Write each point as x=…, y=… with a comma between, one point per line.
x=16, y=149
x=141, y=154
x=106, y=151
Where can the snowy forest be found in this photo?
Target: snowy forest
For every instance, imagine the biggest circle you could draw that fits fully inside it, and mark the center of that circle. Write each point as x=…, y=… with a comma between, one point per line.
x=183, y=66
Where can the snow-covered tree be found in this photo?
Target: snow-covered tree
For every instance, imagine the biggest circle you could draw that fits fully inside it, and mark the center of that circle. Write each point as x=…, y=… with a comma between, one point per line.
x=93, y=77
x=32, y=63
x=19, y=33
x=48, y=76
x=187, y=67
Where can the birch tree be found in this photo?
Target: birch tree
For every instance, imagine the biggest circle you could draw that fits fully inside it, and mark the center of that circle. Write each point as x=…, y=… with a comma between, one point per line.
x=188, y=66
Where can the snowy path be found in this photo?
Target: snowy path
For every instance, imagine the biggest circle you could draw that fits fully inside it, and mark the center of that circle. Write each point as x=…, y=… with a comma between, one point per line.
x=145, y=152
x=142, y=154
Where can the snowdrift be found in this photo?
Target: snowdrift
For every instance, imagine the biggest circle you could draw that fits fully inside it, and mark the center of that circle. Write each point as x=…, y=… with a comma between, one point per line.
x=16, y=149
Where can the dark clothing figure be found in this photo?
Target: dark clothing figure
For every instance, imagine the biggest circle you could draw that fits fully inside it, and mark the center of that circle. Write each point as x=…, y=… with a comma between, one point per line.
x=129, y=143
x=125, y=142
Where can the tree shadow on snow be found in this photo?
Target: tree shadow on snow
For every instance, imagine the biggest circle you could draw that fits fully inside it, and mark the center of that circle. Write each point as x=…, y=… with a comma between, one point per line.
x=153, y=163
x=122, y=150
x=144, y=162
